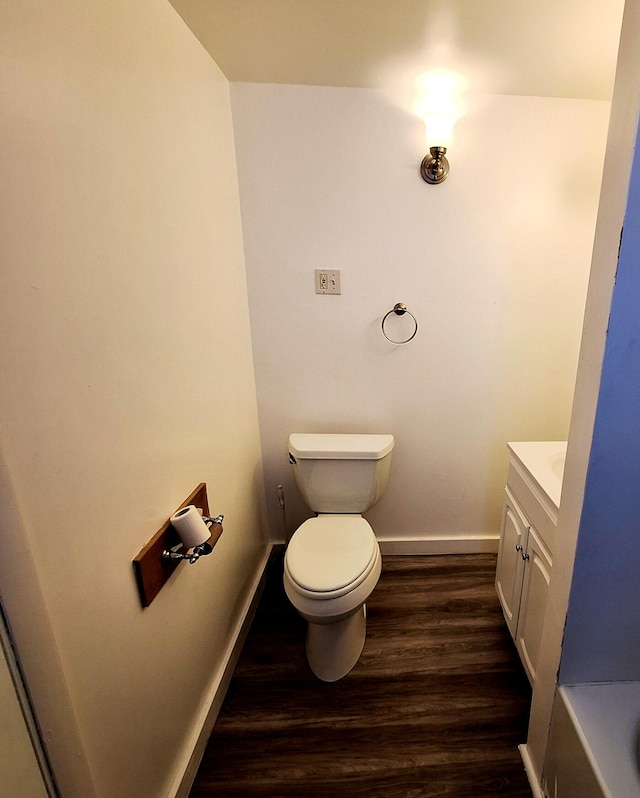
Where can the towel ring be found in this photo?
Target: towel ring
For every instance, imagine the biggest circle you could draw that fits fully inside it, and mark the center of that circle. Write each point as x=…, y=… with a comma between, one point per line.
x=400, y=309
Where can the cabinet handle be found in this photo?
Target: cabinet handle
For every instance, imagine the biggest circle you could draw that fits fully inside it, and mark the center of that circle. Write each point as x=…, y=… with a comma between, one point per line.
x=523, y=555
x=518, y=548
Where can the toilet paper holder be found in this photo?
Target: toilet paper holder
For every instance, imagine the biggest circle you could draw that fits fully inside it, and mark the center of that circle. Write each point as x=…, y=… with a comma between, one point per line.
x=159, y=558
x=177, y=552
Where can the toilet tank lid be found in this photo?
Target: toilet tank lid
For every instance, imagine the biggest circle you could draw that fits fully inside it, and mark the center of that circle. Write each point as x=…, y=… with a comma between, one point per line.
x=323, y=446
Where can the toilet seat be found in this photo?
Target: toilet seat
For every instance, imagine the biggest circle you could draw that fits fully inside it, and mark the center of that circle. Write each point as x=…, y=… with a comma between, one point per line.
x=331, y=555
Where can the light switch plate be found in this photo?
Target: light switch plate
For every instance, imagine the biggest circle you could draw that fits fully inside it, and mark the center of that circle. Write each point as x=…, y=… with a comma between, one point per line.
x=328, y=281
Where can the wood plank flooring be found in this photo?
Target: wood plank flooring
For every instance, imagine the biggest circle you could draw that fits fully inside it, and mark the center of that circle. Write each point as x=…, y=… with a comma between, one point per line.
x=436, y=705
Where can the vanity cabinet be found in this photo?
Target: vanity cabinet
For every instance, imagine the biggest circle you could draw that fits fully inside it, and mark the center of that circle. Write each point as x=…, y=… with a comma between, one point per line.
x=522, y=581
x=527, y=541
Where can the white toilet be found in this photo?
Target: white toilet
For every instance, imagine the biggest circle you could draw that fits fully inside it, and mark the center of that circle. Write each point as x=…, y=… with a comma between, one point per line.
x=333, y=561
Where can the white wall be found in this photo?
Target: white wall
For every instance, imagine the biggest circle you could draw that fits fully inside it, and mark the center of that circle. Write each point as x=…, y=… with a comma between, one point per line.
x=493, y=263
x=127, y=373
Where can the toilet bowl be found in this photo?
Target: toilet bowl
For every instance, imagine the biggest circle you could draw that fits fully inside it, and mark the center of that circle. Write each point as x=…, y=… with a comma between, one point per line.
x=333, y=561
x=331, y=567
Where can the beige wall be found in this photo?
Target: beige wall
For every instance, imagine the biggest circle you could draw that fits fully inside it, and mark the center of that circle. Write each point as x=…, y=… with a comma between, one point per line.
x=127, y=371
x=494, y=264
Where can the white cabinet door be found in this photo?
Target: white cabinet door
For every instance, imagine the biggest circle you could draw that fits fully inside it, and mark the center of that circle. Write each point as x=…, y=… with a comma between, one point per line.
x=533, y=603
x=509, y=571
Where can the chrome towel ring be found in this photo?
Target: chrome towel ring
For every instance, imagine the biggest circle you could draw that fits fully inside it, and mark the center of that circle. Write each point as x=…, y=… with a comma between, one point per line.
x=400, y=309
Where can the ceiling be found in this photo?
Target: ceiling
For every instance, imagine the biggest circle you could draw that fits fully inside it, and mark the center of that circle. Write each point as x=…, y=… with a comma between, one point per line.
x=550, y=48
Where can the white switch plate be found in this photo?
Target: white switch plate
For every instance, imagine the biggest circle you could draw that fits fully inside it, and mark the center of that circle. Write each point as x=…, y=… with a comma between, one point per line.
x=328, y=281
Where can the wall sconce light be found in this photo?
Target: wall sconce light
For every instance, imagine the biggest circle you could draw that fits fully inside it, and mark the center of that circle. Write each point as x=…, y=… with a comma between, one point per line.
x=435, y=166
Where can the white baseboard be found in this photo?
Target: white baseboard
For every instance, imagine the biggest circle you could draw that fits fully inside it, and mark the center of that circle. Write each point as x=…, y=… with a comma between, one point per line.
x=534, y=782
x=467, y=545
x=186, y=772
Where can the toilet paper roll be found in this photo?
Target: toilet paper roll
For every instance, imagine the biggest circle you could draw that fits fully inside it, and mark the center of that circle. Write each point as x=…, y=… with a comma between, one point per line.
x=190, y=527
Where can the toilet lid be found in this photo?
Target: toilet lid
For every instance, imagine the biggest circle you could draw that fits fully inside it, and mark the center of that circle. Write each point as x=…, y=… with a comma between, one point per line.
x=330, y=552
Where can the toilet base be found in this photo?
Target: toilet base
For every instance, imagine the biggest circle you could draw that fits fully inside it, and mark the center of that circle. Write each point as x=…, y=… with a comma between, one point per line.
x=334, y=648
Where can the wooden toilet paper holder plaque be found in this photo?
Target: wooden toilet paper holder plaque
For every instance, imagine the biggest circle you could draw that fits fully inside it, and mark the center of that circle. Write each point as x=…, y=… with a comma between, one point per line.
x=151, y=569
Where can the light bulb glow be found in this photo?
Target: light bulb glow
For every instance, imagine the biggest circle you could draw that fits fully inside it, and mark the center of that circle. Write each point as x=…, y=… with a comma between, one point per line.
x=438, y=103
x=439, y=128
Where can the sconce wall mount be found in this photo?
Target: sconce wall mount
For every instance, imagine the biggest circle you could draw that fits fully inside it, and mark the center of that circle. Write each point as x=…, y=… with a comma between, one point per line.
x=435, y=166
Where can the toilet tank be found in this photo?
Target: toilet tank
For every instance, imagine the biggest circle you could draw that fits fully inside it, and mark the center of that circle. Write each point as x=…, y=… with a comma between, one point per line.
x=340, y=473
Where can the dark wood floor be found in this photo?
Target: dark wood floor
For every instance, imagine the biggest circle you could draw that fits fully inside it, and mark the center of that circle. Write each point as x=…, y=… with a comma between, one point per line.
x=436, y=705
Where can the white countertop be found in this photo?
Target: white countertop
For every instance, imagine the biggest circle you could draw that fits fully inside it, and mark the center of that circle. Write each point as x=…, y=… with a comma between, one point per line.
x=544, y=461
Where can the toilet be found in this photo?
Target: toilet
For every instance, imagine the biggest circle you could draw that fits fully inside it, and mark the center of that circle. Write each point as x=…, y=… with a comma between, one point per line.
x=333, y=561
